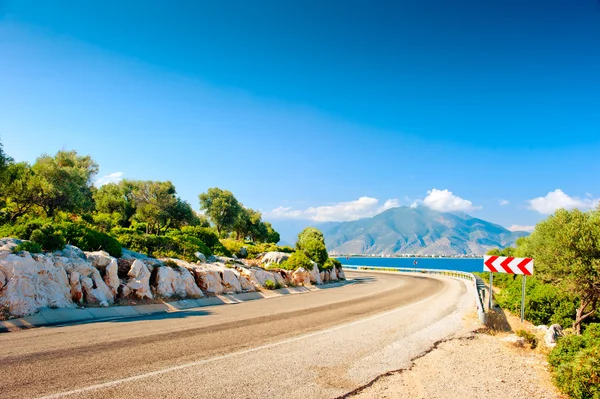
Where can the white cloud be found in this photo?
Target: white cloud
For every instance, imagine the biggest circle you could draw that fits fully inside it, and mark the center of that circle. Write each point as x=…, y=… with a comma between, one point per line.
x=503, y=202
x=516, y=227
x=445, y=201
x=110, y=178
x=340, y=212
x=558, y=199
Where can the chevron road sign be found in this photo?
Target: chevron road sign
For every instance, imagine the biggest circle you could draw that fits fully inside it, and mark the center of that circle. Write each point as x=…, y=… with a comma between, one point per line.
x=508, y=264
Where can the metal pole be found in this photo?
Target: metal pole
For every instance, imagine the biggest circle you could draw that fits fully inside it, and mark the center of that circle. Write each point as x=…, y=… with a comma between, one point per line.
x=523, y=299
x=491, y=292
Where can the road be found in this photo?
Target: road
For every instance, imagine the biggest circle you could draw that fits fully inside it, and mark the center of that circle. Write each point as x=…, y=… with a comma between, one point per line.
x=321, y=344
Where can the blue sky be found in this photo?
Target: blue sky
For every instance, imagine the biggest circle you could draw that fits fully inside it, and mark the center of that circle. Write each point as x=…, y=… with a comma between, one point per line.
x=320, y=110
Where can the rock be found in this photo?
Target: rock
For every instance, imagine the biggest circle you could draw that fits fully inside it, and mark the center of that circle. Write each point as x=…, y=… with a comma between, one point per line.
x=553, y=334
x=7, y=245
x=76, y=289
x=176, y=282
x=301, y=277
x=86, y=269
x=315, y=275
x=325, y=276
x=212, y=258
x=201, y=257
x=340, y=273
x=541, y=328
x=70, y=251
x=33, y=282
x=514, y=340
x=208, y=278
x=139, y=281
x=243, y=252
x=230, y=281
x=97, y=295
x=278, y=278
x=333, y=275
x=245, y=282
x=274, y=257
x=150, y=263
x=108, y=265
x=250, y=275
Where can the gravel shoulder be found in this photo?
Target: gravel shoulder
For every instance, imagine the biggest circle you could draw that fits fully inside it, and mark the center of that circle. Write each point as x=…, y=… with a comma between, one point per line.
x=475, y=364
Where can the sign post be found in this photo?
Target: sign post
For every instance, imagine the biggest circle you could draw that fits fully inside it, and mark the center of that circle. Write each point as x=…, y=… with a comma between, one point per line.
x=510, y=265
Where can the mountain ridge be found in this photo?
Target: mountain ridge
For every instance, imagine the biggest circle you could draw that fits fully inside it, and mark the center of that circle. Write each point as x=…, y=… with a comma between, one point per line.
x=416, y=230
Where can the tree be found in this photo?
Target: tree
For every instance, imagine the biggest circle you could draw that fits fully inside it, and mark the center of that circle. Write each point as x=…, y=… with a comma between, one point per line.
x=17, y=194
x=312, y=242
x=116, y=199
x=5, y=160
x=158, y=206
x=221, y=207
x=566, y=250
x=63, y=182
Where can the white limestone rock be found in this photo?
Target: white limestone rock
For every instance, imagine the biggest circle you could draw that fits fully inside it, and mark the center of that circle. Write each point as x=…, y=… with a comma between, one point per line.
x=245, y=282
x=315, y=275
x=554, y=332
x=33, y=282
x=301, y=277
x=97, y=295
x=274, y=258
x=200, y=256
x=70, y=251
x=208, y=278
x=105, y=263
x=230, y=281
x=340, y=273
x=139, y=281
x=76, y=289
x=176, y=282
x=333, y=275
x=7, y=245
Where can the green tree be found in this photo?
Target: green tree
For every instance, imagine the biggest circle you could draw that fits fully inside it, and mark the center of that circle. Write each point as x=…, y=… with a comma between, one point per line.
x=312, y=242
x=566, y=250
x=5, y=160
x=63, y=182
x=116, y=199
x=271, y=236
x=16, y=194
x=221, y=207
x=158, y=206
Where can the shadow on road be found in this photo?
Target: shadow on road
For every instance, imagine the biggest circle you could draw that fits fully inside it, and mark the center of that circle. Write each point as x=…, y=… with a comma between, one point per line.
x=183, y=314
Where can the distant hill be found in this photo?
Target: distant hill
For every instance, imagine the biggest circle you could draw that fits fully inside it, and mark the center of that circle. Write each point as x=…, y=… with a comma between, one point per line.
x=419, y=230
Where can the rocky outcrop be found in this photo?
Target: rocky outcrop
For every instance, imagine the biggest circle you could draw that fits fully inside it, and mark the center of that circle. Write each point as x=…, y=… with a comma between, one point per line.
x=176, y=282
x=209, y=279
x=7, y=245
x=554, y=332
x=301, y=277
x=243, y=252
x=274, y=258
x=200, y=256
x=76, y=289
x=139, y=281
x=315, y=275
x=107, y=265
x=332, y=275
x=33, y=282
x=340, y=274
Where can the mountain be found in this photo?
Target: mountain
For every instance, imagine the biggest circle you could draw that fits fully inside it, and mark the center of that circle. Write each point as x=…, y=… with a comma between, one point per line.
x=419, y=230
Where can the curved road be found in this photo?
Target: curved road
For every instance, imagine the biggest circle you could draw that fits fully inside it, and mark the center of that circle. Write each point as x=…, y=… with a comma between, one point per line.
x=322, y=344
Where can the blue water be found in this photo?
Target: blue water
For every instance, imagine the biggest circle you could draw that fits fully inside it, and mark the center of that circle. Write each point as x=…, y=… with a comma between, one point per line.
x=460, y=264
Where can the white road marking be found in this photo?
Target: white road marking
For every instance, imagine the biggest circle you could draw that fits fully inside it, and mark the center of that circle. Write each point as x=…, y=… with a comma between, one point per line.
x=229, y=355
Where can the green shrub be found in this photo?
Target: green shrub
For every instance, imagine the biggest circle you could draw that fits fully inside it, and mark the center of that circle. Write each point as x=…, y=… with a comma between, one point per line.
x=575, y=364
x=83, y=236
x=48, y=238
x=316, y=251
x=270, y=285
x=297, y=260
x=331, y=264
x=530, y=338
x=173, y=245
x=209, y=237
x=28, y=246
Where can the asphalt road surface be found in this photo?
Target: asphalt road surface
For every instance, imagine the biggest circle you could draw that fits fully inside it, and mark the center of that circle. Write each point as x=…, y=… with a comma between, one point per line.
x=321, y=344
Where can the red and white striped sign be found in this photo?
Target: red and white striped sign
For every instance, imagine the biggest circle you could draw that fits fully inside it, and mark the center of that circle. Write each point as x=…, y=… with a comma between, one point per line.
x=508, y=264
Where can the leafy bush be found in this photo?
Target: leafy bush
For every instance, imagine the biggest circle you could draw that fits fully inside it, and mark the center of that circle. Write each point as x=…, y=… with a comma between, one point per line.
x=48, y=238
x=332, y=263
x=173, y=245
x=209, y=237
x=530, y=338
x=575, y=363
x=28, y=246
x=83, y=236
x=272, y=285
x=297, y=260
x=311, y=241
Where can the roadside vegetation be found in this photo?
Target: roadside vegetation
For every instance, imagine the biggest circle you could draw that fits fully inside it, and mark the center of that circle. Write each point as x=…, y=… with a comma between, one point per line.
x=54, y=202
x=565, y=290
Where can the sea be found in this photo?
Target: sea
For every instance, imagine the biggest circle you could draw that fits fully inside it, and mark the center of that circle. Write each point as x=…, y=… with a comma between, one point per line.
x=459, y=264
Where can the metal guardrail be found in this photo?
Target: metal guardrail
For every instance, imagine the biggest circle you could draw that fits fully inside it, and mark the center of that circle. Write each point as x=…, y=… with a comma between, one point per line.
x=448, y=273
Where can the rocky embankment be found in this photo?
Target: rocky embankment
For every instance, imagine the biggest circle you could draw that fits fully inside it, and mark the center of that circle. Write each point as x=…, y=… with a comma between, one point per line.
x=71, y=277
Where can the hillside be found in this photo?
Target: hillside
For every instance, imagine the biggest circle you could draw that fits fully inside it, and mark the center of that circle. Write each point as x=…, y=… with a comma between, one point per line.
x=419, y=230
